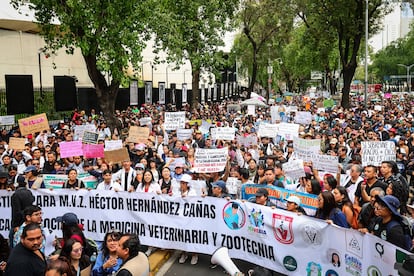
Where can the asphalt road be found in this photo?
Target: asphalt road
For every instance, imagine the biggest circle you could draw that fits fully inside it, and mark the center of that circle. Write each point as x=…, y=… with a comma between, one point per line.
x=202, y=268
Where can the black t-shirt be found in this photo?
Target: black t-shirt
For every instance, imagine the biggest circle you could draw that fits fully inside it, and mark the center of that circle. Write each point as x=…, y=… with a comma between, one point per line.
x=395, y=235
x=358, y=192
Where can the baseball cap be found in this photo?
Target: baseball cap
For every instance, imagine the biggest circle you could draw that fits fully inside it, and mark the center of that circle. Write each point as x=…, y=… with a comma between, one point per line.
x=186, y=178
x=68, y=219
x=262, y=192
x=140, y=147
x=294, y=199
x=21, y=180
x=139, y=166
x=30, y=169
x=220, y=183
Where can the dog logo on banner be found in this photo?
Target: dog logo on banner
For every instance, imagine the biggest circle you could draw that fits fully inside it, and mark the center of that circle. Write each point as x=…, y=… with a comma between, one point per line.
x=282, y=228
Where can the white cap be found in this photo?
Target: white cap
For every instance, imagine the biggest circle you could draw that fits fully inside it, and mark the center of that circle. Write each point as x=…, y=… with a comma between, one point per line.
x=186, y=178
x=294, y=199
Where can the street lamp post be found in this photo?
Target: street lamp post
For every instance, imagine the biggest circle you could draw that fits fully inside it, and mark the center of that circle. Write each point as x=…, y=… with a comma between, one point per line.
x=408, y=67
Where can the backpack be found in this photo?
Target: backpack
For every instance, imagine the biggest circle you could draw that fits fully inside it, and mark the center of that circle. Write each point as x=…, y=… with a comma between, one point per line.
x=407, y=230
x=354, y=224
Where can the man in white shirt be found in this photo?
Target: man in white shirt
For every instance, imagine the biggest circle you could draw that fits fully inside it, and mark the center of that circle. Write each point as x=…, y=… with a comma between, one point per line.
x=125, y=176
x=108, y=183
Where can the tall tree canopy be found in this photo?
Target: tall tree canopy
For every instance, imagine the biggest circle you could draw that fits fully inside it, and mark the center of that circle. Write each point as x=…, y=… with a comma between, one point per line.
x=110, y=35
x=194, y=31
x=345, y=19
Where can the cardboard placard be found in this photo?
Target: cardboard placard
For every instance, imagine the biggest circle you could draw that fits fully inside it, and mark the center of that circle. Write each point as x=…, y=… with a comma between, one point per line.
x=138, y=134
x=90, y=137
x=17, y=143
x=116, y=156
x=33, y=124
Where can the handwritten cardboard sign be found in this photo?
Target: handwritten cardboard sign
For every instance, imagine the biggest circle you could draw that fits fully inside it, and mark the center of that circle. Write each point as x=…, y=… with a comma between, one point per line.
x=17, y=143
x=33, y=124
x=116, y=156
x=138, y=134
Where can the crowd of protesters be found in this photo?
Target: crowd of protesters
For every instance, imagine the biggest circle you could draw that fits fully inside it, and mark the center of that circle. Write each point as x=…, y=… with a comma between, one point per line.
x=364, y=198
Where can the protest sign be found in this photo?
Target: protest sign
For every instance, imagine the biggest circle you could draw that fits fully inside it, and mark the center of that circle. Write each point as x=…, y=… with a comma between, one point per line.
x=274, y=113
x=174, y=120
x=90, y=137
x=205, y=127
x=326, y=163
x=305, y=148
x=268, y=130
x=251, y=109
x=210, y=160
x=374, y=152
x=223, y=133
x=70, y=149
x=56, y=181
x=113, y=144
x=33, y=124
x=145, y=121
x=251, y=232
x=93, y=150
x=184, y=134
x=288, y=130
x=303, y=117
x=247, y=141
x=294, y=169
x=90, y=181
x=7, y=120
x=17, y=143
x=138, y=134
x=116, y=156
x=80, y=129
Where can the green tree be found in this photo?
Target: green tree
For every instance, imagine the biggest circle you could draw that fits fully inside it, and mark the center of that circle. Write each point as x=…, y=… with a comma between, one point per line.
x=194, y=31
x=346, y=20
x=264, y=26
x=110, y=35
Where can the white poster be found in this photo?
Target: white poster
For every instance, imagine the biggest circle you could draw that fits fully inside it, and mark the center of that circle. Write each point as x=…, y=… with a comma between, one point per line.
x=305, y=148
x=274, y=113
x=303, y=117
x=288, y=130
x=374, y=152
x=210, y=160
x=174, y=120
x=268, y=130
x=325, y=163
x=161, y=92
x=184, y=134
x=146, y=121
x=113, y=144
x=184, y=93
x=7, y=120
x=279, y=240
x=223, y=133
x=133, y=93
x=251, y=110
x=294, y=169
x=80, y=129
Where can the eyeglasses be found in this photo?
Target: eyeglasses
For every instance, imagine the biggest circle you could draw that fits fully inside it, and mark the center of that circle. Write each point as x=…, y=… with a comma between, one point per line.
x=78, y=250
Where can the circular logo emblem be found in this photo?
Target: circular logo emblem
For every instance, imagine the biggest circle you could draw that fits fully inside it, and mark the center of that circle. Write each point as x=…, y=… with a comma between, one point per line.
x=290, y=263
x=331, y=272
x=373, y=271
x=233, y=215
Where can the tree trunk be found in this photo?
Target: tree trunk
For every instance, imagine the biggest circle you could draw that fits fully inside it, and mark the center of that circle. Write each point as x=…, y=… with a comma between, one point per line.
x=254, y=74
x=195, y=98
x=348, y=73
x=106, y=94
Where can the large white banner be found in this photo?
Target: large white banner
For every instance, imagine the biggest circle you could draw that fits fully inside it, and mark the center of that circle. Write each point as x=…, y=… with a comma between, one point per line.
x=210, y=160
x=174, y=120
x=273, y=238
x=223, y=133
x=374, y=152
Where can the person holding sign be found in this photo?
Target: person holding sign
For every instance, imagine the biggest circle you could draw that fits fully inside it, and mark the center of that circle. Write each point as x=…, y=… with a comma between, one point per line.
x=73, y=182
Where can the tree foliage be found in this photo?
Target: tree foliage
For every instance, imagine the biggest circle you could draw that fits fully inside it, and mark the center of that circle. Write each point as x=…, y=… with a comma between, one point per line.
x=265, y=27
x=110, y=35
x=346, y=21
x=194, y=31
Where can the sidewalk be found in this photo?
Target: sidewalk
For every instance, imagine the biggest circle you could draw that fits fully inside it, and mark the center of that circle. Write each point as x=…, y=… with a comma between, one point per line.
x=157, y=259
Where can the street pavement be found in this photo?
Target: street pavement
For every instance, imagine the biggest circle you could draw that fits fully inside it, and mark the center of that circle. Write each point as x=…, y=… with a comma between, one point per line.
x=203, y=268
